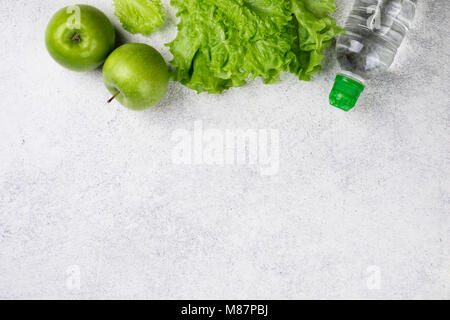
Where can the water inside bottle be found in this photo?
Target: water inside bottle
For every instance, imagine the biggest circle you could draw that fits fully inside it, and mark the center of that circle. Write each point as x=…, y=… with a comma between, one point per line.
x=375, y=31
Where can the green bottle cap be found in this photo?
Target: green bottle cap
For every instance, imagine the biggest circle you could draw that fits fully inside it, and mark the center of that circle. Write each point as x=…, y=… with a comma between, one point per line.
x=345, y=93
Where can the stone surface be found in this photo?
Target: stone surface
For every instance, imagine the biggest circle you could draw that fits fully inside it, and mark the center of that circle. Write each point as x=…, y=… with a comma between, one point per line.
x=93, y=206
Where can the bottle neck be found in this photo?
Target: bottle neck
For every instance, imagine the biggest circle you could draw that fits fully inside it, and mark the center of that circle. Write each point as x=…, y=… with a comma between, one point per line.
x=353, y=76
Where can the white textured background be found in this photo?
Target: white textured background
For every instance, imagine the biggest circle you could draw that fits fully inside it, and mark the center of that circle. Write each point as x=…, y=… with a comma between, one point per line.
x=91, y=187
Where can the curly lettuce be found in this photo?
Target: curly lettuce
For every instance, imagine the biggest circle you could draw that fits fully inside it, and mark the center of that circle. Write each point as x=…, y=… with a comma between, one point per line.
x=140, y=16
x=221, y=44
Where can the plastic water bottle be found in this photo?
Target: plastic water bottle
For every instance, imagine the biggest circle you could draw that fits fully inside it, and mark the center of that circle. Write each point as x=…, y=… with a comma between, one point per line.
x=375, y=30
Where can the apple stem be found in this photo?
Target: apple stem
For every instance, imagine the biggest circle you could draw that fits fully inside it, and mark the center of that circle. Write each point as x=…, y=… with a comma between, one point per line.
x=113, y=97
x=76, y=37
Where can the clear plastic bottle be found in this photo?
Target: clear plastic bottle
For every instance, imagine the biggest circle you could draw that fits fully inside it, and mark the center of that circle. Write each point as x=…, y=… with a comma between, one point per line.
x=375, y=30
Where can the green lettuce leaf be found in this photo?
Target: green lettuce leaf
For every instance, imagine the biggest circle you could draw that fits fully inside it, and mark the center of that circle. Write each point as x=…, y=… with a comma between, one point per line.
x=140, y=16
x=221, y=44
x=321, y=8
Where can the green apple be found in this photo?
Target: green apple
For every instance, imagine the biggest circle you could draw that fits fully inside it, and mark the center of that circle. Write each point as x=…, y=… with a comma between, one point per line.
x=80, y=37
x=137, y=76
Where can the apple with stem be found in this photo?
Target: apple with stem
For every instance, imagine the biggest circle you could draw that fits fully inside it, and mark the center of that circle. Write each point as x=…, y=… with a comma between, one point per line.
x=136, y=75
x=80, y=37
